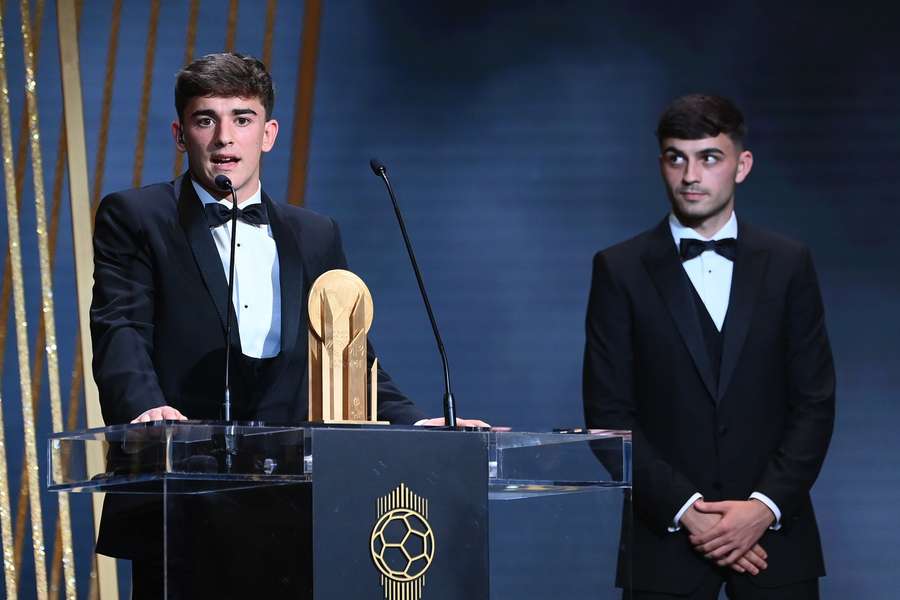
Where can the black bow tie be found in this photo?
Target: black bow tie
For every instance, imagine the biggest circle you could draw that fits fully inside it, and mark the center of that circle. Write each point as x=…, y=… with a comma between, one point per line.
x=219, y=214
x=690, y=248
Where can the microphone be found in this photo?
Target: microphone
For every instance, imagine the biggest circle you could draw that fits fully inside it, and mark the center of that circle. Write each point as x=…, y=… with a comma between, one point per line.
x=223, y=183
x=449, y=403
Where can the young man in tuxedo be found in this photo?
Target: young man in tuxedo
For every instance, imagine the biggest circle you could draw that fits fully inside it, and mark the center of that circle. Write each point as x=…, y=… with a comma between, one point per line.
x=160, y=289
x=706, y=337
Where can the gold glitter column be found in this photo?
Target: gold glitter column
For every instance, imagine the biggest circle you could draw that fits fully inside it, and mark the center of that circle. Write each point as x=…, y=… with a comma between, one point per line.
x=47, y=309
x=271, y=6
x=15, y=250
x=232, y=26
x=105, y=108
x=303, y=101
x=146, y=89
x=82, y=226
x=178, y=165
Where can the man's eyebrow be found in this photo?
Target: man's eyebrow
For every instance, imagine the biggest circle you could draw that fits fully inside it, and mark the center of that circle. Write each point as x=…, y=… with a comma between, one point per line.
x=208, y=112
x=711, y=151
x=672, y=150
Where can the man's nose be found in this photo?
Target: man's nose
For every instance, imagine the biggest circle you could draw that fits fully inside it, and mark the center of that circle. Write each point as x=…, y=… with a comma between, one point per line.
x=223, y=135
x=691, y=173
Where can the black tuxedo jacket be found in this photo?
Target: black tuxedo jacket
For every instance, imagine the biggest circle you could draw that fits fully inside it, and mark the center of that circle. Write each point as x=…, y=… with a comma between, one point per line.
x=764, y=426
x=158, y=314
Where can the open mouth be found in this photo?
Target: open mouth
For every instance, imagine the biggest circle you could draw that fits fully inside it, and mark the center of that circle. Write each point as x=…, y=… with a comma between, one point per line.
x=223, y=159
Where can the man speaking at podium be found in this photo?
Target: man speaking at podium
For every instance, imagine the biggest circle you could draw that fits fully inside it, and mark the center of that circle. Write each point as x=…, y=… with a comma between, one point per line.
x=706, y=337
x=161, y=257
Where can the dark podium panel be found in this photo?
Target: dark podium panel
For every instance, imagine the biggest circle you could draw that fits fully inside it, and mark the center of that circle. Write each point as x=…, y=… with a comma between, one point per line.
x=326, y=512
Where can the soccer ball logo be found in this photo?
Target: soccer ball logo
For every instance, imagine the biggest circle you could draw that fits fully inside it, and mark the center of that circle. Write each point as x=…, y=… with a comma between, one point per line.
x=402, y=544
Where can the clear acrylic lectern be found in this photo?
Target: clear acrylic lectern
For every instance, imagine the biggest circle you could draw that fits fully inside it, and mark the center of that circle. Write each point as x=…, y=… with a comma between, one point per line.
x=391, y=512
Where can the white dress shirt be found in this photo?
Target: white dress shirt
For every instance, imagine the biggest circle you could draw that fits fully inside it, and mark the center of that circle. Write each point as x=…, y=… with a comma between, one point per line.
x=257, y=286
x=710, y=274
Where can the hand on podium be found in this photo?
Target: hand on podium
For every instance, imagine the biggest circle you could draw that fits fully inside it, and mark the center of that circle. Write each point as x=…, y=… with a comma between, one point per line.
x=439, y=422
x=160, y=413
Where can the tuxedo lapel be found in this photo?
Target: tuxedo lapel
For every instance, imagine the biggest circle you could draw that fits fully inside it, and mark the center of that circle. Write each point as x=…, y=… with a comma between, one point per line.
x=290, y=269
x=192, y=217
x=664, y=266
x=746, y=283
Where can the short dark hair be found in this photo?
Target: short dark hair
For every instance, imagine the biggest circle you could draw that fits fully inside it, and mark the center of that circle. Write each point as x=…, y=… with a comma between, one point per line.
x=226, y=74
x=698, y=116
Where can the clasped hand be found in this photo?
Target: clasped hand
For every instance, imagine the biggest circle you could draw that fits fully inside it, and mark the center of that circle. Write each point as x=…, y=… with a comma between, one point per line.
x=727, y=532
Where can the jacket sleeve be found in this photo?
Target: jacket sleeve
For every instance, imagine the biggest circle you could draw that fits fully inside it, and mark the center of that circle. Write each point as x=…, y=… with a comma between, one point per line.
x=794, y=467
x=122, y=314
x=609, y=403
x=393, y=405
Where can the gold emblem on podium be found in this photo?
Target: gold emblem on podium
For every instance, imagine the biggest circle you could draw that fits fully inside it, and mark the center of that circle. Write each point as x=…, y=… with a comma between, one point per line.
x=340, y=316
x=402, y=544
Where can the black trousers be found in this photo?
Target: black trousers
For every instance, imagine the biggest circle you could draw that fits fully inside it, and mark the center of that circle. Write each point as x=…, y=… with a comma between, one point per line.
x=737, y=587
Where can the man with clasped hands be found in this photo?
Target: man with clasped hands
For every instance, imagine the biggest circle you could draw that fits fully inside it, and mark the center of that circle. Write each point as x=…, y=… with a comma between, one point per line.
x=706, y=337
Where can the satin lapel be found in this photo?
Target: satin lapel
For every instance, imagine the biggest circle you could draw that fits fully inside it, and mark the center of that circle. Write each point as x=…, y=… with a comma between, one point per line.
x=746, y=283
x=673, y=284
x=193, y=220
x=290, y=269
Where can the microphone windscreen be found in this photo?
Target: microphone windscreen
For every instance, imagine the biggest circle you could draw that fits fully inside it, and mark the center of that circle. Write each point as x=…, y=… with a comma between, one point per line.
x=223, y=183
x=377, y=167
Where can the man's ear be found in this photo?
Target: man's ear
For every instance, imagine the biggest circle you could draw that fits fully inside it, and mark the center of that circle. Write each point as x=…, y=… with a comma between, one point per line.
x=178, y=135
x=270, y=132
x=744, y=166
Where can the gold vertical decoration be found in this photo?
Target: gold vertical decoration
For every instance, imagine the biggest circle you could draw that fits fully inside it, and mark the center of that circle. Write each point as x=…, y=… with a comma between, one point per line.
x=12, y=222
x=188, y=56
x=37, y=367
x=9, y=567
x=21, y=152
x=271, y=6
x=232, y=26
x=56, y=560
x=66, y=17
x=108, y=79
x=146, y=88
x=303, y=102
x=49, y=320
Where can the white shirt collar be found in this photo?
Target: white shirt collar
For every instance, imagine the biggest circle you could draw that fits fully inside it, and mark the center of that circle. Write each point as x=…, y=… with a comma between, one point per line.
x=679, y=231
x=207, y=198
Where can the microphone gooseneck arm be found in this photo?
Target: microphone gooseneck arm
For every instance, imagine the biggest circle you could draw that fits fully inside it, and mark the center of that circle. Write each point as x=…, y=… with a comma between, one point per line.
x=223, y=183
x=449, y=402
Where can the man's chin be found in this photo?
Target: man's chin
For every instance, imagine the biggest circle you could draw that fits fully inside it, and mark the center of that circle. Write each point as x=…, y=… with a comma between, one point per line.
x=695, y=215
x=692, y=212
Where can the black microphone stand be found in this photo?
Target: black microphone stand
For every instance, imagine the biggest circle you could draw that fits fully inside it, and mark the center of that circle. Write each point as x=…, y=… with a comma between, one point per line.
x=449, y=402
x=224, y=184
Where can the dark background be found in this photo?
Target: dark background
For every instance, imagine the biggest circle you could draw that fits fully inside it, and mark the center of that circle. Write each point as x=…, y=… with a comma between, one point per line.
x=520, y=140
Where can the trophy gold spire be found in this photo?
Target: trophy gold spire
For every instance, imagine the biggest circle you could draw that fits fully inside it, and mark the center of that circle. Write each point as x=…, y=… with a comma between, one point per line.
x=340, y=316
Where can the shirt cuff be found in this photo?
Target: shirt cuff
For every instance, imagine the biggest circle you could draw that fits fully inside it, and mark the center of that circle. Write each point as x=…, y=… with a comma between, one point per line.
x=676, y=522
x=419, y=422
x=772, y=506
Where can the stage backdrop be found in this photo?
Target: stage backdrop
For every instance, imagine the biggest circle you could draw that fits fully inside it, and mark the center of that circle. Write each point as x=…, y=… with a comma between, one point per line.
x=519, y=136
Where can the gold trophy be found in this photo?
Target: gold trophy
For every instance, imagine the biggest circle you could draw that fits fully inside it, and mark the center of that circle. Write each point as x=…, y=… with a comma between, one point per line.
x=340, y=316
